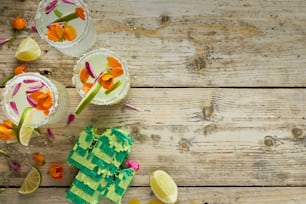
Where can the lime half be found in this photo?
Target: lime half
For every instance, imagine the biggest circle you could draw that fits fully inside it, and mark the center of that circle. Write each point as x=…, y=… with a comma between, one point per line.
x=28, y=50
x=25, y=128
x=88, y=97
x=163, y=186
x=31, y=182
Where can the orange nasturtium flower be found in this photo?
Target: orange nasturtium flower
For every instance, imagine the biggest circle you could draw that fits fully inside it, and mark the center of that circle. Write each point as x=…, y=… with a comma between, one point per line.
x=7, y=130
x=84, y=75
x=80, y=12
x=19, y=23
x=43, y=100
x=114, y=66
x=56, y=171
x=86, y=86
x=19, y=69
x=57, y=32
x=107, y=81
x=70, y=32
x=39, y=159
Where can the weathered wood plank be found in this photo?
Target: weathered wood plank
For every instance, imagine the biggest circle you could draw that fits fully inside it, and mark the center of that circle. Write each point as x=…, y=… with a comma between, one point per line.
x=189, y=195
x=188, y=43
x=243, y=138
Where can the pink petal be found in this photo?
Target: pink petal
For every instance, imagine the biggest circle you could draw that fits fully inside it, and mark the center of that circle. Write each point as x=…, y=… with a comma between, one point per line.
x=16, y=89
x=31, y=102
x=70, y=119
x=131, y=106
x=50, y=6
x=14, y=107
x=90, y=70
x=3, y=41
x=28, y=81
x=132, y=164
x=50, y=134
x=69, y=2
x=34, y=28
x=15, y=166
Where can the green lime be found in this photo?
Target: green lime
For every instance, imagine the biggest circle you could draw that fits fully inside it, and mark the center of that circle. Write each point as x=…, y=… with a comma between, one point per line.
x=31, y=182
x=25, y=128
x=88, y=97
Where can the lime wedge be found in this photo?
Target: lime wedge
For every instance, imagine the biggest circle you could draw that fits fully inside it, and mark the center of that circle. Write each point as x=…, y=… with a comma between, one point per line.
x=28, y=50
x=163, y=186
x=25, y=129
x=88, y=97
x=31, y=182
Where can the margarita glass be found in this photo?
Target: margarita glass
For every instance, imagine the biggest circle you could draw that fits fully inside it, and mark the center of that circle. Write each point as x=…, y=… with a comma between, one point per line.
x=104, y=71
x=66, y=25
x=48, y=98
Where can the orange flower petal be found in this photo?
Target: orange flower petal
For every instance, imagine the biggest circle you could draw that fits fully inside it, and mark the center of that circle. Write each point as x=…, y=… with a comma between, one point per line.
x=55, y=32
x=7, y=136
x=80, y=12
x=70, y=33
x=19, y=23
x=39, y=159
x=113, y=62
x=8, y=124
x=116, y=71
x=56, y=171
x=107, y=81
x=5, y=130
x=20, y=69
x=84, y=75
x=35, y=95
x=86, y=86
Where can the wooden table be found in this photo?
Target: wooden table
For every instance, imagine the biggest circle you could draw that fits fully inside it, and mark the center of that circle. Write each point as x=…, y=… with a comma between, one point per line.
x=221, y=85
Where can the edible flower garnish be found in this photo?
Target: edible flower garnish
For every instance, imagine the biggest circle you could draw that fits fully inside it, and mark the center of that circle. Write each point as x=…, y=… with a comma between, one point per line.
x=59, y=30
x=18, y=25
x=14, y=166
x=50, y=134
x=106, y=79
x=3, y=41
x=39, y=159
x=19, y=69
x=7, y=130
x=41, y=100
x=56, y=171
x=132, y=164
x=70, y=119
x=131, y=106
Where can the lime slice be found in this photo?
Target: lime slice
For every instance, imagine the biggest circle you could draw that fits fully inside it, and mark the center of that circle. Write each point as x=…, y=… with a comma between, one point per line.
x=163, y=186
x=28, y=50
x=31, y=182
x=88, y=97
x=25, y=128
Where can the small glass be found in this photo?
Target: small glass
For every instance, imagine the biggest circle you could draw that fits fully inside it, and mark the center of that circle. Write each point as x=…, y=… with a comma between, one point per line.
x=48, y=98
x=66, y=25
x=99, y=64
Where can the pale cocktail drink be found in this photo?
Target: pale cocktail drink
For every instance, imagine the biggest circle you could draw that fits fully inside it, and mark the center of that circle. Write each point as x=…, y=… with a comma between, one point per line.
x=105, y=72
x=47, y=98
x=66, y=25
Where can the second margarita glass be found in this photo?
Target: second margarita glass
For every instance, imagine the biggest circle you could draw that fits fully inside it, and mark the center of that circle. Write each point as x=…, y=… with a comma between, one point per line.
x=101, y=77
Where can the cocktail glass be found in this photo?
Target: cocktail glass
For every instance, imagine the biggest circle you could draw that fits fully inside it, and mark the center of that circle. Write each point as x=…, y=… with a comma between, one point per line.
x=48, y=98
x=66, y=25
x=108, y=66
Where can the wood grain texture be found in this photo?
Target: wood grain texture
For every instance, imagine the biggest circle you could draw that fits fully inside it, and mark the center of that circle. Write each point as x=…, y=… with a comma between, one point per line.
x=187, y=195
x=187, y=43
x=210, y=137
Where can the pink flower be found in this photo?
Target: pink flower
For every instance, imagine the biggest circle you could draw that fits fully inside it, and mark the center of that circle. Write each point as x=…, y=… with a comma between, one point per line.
x=132, y=164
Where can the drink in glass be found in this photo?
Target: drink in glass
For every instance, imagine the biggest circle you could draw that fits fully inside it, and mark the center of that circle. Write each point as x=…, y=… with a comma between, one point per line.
x=103, y=74
x=66, y=25
x=48, y=98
